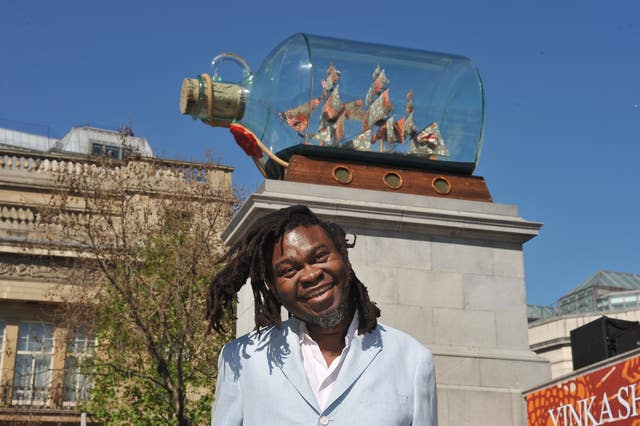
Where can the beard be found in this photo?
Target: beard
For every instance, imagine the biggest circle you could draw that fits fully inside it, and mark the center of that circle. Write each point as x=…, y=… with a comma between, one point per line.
x=331, y=318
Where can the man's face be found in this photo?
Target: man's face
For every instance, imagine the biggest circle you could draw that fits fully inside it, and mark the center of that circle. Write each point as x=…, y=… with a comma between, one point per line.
x=310, y=277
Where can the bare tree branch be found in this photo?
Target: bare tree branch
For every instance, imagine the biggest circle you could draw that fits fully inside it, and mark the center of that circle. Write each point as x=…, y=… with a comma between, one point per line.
x=148, y=243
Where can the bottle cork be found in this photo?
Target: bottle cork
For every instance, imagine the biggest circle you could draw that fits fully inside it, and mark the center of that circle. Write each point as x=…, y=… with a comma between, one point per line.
x=217, y=103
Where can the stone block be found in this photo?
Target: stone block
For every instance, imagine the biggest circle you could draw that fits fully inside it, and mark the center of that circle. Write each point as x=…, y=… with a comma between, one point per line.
x=245, y=311
x=457, y=370
x=471, y=407
x=538, y=333
x=245, y=323
x=572, y=323
x=553, y=330
x=508, y=262
x=382, y=283
x=245, y=299
x=451, y=256
x=402, y=252
x=443, y=406
x=416, y=321
x=493, y=293
x=559, y=355
x=513, y=373
x=511, y=329
x=33, y=291
x=424, y=288
x=466, y=328
x=519, y=406
x=561, y=368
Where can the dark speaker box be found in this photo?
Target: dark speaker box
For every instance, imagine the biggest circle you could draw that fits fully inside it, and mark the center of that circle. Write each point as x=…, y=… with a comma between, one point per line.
x=596, y=340
x=628, y=340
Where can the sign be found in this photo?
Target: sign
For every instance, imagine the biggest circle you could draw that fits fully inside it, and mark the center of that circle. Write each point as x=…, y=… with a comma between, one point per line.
x=609, y=395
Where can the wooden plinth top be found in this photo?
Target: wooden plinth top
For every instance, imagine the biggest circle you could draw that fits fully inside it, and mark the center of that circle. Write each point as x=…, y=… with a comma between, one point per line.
x=384, y=178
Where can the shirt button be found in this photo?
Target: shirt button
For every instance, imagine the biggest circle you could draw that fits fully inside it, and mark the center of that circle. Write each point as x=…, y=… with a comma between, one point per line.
x=324, y=420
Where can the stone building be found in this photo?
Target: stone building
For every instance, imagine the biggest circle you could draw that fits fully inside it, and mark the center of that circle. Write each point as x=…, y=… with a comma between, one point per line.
x=614, y=294
x=39, y=378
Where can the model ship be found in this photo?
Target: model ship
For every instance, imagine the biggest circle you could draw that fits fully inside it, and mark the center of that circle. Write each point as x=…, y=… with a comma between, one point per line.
x=380, y=131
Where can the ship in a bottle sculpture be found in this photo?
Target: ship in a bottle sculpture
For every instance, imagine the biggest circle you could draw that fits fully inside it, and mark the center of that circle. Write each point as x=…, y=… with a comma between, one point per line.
x=329, y=111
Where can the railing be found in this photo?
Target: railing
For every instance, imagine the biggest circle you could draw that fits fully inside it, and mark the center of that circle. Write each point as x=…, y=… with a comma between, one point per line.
x=34, y=398
x=16, y=161
x=17, y=215
x=33, y=176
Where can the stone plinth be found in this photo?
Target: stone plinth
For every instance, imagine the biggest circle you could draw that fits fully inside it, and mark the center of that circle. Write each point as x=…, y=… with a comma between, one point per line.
x=449, y=272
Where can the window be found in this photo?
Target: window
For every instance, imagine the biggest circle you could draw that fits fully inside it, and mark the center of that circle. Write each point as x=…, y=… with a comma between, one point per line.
x=112, y=152
x=77, y=384
x=99, y=149
x=32, y=375
x=96, y=149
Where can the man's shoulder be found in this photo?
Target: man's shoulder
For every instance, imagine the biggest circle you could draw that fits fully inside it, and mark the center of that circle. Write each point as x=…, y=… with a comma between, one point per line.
x=399, y=341
x=260, y=341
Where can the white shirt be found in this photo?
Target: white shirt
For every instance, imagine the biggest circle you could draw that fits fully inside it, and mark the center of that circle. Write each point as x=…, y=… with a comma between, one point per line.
x=321, y=377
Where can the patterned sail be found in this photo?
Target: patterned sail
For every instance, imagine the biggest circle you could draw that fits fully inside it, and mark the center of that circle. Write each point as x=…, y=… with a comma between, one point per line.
x=378, y=111
x=378, y=123
x=380, y=82
x=361, y=142
x=428, y=141
x=298, y=117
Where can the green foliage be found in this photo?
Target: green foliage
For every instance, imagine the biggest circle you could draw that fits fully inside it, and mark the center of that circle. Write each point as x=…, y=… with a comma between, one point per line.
x=150, y=247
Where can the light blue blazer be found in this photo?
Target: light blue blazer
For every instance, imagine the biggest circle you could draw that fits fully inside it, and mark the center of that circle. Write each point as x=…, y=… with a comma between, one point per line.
x=387, y=379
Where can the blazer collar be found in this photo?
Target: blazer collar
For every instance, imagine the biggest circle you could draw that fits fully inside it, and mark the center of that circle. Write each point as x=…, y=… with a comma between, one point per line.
x=292, y=367
x=362, y=351
x=364, y=348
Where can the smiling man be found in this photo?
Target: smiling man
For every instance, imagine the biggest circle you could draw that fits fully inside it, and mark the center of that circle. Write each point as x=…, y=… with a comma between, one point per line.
x=331, y=362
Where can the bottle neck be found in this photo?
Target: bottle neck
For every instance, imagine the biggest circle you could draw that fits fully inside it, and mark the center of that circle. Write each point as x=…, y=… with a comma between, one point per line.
x=216, y=103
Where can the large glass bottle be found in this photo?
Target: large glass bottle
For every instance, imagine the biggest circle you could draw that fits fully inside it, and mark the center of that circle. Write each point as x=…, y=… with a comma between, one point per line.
x=343, y=99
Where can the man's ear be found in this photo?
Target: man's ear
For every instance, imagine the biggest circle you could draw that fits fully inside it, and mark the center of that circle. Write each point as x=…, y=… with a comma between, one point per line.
x=351, y=244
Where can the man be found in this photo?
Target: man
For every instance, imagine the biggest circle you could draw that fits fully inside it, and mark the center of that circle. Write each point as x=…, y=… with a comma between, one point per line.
x=331, y=362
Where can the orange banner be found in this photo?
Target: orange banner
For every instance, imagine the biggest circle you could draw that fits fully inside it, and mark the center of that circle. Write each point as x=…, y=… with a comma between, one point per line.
x=608, y=396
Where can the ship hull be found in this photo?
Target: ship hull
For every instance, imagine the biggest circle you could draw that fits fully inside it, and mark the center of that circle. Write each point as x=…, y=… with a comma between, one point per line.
x=275, y=171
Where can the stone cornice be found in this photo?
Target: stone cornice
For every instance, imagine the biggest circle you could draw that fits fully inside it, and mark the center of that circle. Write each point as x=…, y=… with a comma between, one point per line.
x=389, y=211
x=36, y=171
x=20, y=267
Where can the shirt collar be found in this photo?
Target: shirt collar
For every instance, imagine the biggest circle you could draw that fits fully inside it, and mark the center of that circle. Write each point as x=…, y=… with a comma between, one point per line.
x=351, y=331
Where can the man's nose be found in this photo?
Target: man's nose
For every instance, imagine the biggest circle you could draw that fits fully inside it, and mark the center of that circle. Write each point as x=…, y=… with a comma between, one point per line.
x=310, y=274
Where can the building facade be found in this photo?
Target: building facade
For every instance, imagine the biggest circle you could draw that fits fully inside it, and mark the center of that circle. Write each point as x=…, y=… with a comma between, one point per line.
x=604, y=291
x=614, y=294
x=40, y=381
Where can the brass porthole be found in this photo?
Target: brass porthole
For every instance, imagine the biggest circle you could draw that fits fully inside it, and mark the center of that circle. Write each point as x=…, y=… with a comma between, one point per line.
x=441, y=185
x=392, y=180
x=342, y=174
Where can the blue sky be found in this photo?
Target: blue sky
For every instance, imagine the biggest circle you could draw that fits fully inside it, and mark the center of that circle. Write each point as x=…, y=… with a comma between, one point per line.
x=562, y=84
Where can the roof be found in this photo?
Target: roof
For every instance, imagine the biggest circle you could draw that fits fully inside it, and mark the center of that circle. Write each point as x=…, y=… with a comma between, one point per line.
x=78, y=140
x=617, y=280
x=31, y=141
x=82, y=139
x=537, y=312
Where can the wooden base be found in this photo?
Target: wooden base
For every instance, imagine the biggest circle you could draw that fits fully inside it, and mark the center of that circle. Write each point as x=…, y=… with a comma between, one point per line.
x=382, y=178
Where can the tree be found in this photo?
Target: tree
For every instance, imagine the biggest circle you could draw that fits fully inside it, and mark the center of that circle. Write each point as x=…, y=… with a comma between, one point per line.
x=146, y=237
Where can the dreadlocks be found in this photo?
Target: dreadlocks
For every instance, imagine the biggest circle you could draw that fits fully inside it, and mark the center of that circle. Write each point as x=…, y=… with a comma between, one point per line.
x=251, y=258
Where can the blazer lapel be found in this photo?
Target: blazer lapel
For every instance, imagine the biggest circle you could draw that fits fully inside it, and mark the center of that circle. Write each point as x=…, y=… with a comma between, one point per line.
x=292, y=367
x=362, y=351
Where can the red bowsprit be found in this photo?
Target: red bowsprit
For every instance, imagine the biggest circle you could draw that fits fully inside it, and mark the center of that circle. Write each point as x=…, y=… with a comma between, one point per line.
x=246, y=140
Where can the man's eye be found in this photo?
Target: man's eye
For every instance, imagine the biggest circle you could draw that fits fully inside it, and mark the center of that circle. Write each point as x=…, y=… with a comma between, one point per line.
x=288, y=271
x=321, y=257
